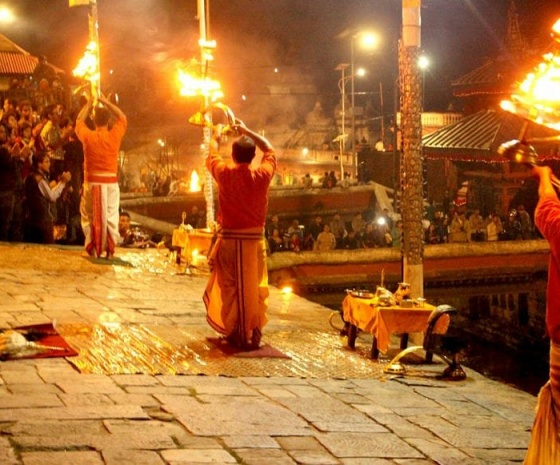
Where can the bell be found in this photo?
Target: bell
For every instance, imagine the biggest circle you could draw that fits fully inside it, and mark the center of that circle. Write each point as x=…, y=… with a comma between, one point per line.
x=519, y=152
x=200, y=119
x=395, y=368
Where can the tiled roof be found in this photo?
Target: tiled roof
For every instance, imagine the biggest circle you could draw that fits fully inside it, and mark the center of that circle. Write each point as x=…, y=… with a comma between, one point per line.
x=6, y=45
x=478, y=136
x=16, y=60
x=497, y=76
x=17, y=63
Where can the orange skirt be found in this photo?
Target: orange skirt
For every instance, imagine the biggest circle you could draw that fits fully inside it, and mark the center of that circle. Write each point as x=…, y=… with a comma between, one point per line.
x=236, y=296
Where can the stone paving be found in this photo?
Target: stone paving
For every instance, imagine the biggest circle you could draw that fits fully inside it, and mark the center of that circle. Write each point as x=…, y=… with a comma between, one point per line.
x=323, y=414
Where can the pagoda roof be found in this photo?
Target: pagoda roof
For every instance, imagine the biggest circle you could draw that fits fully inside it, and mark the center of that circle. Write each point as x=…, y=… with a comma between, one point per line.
x=477, y=137
x=15, y=60
x=497, y=76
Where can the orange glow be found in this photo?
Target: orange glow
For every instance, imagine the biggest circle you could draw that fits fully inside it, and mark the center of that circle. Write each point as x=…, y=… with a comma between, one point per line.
x=537, y=98
x=195, y=185
x=88, y=67
x=556, y=30
x=192, y=86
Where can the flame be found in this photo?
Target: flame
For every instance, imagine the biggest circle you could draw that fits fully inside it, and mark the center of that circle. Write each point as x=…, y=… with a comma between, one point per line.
x=88, y=66
x=195, y=185
x=192, y=86
x=207, y=48
x=556, y=31
x=538, y=97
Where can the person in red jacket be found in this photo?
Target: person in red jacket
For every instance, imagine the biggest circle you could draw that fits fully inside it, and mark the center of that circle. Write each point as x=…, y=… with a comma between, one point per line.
x=544, y=447
x=236, y=296
x=100, y=193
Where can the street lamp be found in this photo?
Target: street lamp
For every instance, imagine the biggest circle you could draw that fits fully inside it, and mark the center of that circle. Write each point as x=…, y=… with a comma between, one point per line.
x=369, y=41
x=341, y=138
x=6, y=15
x=423, y=64
x=342, y=87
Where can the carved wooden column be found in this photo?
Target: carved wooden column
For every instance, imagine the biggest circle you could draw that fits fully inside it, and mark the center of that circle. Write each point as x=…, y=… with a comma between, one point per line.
x=412, y=195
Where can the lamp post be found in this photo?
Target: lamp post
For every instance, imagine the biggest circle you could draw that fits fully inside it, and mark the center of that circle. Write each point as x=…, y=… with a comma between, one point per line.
x=411, y=165
x=342, y=136
x=206, y=130
x=369, y=41
x=352, y=94
x=423, y=64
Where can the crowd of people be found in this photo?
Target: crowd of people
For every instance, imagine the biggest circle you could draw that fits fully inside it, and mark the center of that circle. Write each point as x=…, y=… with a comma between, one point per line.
x=473, y=227
x=53, y=162
x=41, y=174
x=381, y=229
x=322, y=236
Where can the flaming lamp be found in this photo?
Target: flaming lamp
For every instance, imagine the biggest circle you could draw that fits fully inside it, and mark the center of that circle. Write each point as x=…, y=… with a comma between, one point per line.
x=536, y=99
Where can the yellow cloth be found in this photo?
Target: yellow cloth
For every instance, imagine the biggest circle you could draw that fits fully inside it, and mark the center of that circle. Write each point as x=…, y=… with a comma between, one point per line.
x=180, y=238
x=236, y=296
x=543, y=447
x=384, y=321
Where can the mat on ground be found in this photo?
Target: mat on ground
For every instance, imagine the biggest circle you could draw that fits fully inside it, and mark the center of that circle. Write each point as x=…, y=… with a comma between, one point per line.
x=33, y=341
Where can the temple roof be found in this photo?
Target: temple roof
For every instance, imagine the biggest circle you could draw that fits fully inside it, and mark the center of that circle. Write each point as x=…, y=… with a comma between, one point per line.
x=499, y=75
x=478, y=136
x=496, y=76
x=15, y=60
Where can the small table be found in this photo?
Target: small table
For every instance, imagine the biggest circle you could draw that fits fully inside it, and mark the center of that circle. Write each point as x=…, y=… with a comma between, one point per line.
x=381, y=322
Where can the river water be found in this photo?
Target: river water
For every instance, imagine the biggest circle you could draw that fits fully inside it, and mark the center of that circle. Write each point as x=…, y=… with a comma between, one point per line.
x=524, y=366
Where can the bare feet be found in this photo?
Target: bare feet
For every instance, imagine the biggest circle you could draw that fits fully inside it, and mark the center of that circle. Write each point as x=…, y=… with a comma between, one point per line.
x=256, y=339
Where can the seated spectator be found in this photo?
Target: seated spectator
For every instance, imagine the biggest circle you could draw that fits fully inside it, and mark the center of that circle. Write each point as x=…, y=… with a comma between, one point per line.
x=352, y=241
x=325, y=180
x=432, y=236
x=525, y=222
x=331, y=181
x=295, y=228
x=512, y=227
x=338, y=228
x=274, y=223
x=316, y=227
x=494, y=230
x=358, y=225
x=308, y=242
x=459, y=230
x=40, y=200
x=442, y=226
x=135, y=236
x=325, y=240
x=369, y=239
x=476, y=223
x=307, y=181
x=161, y=187
x=396, y=234
x=294, y=243
x=276, y=242
x=195, y=218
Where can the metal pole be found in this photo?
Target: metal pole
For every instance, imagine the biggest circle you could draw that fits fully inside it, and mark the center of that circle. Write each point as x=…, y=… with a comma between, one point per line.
x=94, y=37
x=353, y=135
x=341, y=142
x=382, y=113
x=411, y=166
x=207, y=130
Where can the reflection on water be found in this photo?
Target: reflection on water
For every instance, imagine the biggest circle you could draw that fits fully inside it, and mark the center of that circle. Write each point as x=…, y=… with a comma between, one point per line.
x=524, y=364
x=525, y=369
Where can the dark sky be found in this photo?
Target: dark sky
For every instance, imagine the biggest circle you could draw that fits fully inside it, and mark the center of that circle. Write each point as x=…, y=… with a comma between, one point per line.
x=146, y=38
